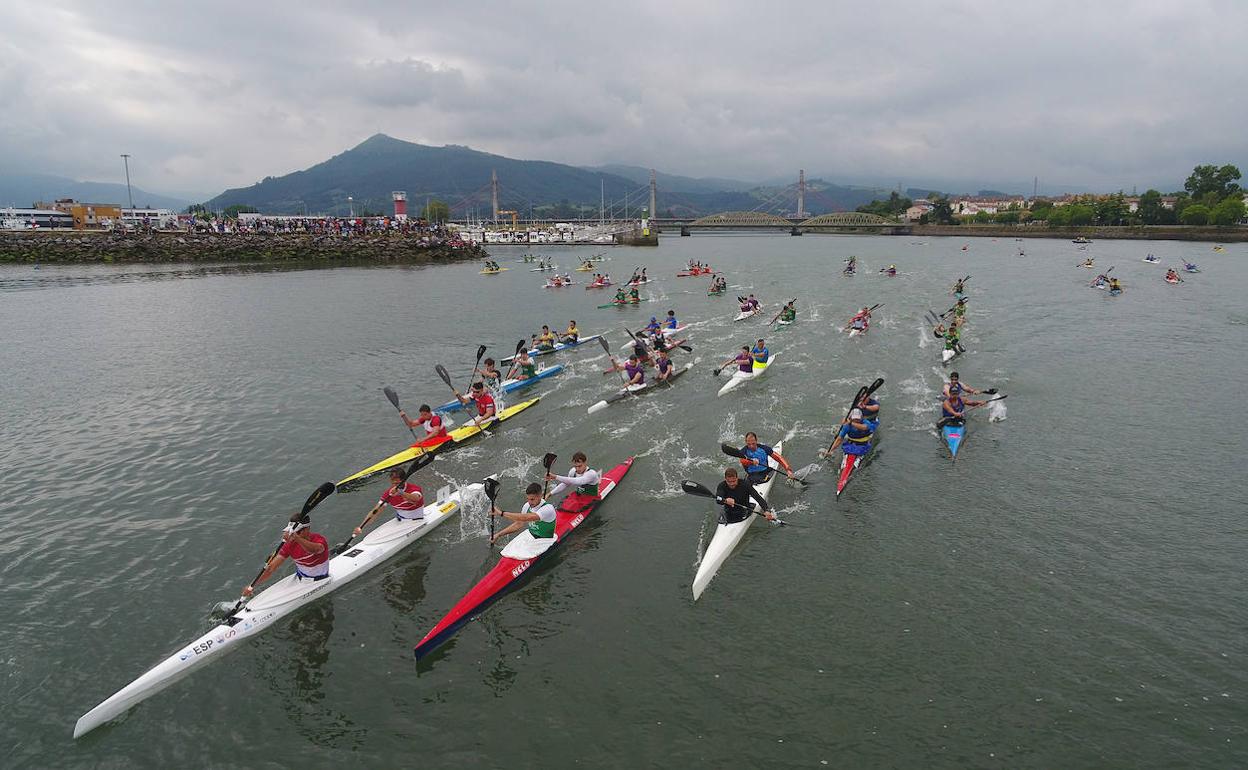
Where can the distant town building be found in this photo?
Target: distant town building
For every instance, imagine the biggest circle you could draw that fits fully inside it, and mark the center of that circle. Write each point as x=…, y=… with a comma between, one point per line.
x=920, y=207
x=86, y=215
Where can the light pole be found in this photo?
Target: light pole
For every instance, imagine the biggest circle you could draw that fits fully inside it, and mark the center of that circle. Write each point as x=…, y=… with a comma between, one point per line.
x=126, y=159
x=351, y=206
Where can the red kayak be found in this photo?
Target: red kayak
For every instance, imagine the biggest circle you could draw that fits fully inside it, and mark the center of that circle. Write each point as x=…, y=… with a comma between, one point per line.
x=508, y=573
x=691, y=273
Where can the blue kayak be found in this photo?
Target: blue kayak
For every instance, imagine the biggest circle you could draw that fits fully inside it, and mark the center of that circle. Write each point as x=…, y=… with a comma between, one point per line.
x=508, y=386
x=558, y=346
x=953, y=438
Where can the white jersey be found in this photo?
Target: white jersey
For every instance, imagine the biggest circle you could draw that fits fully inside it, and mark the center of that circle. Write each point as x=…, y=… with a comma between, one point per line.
x=590, y=476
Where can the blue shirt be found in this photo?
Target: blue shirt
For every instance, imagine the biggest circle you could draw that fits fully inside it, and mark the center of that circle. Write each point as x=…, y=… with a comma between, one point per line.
x=670, y=323
x=760, y=354
x=758, y=458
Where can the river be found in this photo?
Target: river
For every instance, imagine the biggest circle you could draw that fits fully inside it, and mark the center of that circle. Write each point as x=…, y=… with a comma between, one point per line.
x=1069, y=593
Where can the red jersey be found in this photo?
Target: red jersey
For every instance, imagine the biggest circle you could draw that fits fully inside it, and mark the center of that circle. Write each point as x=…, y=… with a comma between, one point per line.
x=309, y=564
x=433, y=426
x=401, y=506
x=485, y=402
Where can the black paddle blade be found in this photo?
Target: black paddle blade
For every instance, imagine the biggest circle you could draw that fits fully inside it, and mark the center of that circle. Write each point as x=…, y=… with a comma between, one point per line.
x=394, y=397
x=519, y=347
x=603, y=341
x=549, y=460
x=730, y=450
x=441, y=370
x=875, y=386
x=990, y=392
x=491, y=489
x=322, y=492
x=480, y=352
x=694, y=488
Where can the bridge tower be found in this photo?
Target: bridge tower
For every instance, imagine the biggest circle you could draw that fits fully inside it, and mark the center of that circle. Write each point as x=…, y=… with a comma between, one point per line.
x=653, y=187
x=494, y=194
x=801, y=193
x=400, y=205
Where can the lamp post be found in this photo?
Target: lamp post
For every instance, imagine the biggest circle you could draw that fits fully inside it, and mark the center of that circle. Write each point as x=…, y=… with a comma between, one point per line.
x=351, y=206
x=126, y=159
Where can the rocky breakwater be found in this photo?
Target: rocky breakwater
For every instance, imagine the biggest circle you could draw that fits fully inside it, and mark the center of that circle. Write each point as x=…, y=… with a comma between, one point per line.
x=84, y=247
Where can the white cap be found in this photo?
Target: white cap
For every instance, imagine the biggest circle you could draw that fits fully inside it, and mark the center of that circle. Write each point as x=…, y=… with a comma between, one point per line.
x=855, y=414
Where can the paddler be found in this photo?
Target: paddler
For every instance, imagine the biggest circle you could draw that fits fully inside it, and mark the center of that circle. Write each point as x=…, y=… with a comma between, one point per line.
x=734, y=491
x=404, y=497
x=670, y=322
x=953, y=409
x=489, y=373
x=652, y=327
x=959, y=308
x=870, y=407
x=535, y=521
x=1114, y=285
x=754, y=304
x=955, y=385
x=851, y=265
x=484, y=401
x=621, y=296
x=546, y=339
x=743, y=360
x=310, y=551
x=746, y=307
x=754, y=458
x=580, y=475
x=760, y=354
x=953, y=338
x=524, y=367
x=663, y=368
x=890, y=270
x=788, y=313
x=1088, y=262
x=855, y=434
x=571, y=334
x=634, y=370
x=634, y=296
x=425, y=418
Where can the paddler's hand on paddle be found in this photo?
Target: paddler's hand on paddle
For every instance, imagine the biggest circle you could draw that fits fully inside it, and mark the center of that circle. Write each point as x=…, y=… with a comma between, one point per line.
x=248, y=591
x=769, y=515
x=728, y=501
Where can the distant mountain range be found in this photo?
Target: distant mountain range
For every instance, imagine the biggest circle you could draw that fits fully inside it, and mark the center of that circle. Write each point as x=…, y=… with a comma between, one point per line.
x=22, y=190
x=460, y=176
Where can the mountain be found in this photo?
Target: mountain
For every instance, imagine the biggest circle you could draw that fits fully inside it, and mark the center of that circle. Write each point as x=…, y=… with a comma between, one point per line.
x=675, y=183
x=460, y=176
x=21, y=190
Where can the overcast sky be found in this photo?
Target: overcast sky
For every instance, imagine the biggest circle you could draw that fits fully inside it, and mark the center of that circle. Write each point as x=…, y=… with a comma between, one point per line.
x=1104, y=95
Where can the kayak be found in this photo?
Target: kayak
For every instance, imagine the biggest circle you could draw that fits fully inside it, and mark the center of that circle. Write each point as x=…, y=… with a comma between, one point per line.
x=739, y=377
x=638, y=283
x=714, y=293
x=953, y=438
x=782, y=322
x=586, y=269
x=666, y=332
x=856, y=332
x=559, y=285
x=692, y=273
x=494, y=272
x=1173, y=280
x=672, y=348
x=558, y=347
x=851, y=463
x=1151, y=261
x=727, y=536
x=1115, y=292
x=624, y=304
x=1191, y=269
x=509, y=572
x=634, y=390
x=507, y=386
x=277, y=601
x=744, y=314
x=431, y=446
x=544, y=269
x=599, y=285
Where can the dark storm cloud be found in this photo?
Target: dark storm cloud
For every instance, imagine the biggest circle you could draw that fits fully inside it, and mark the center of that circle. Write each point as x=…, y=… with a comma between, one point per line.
x=1104, y=95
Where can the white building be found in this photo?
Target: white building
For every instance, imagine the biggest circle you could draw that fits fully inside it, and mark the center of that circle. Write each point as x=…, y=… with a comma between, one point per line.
x=157, y=219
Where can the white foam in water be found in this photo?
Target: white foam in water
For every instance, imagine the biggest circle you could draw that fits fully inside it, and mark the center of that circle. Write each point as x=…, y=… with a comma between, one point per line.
x=996, y=411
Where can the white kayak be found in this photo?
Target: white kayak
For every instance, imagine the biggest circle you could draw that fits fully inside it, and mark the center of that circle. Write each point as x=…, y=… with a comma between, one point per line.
x=727, y=536
x=544, y=269
x=274, y=603
x=856, y=332
x=739, y=377
x=748, y=314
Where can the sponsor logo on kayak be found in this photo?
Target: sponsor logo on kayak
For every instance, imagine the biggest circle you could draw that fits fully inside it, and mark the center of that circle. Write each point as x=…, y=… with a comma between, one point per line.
x=521, y=567
x=579, y=518
x=196, y=649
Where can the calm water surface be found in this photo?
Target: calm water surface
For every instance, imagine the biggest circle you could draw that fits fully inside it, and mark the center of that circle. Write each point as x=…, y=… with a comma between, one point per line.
x=1070, y=593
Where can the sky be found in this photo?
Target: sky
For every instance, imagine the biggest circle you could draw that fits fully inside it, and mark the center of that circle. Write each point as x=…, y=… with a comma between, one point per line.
x=1084, y=95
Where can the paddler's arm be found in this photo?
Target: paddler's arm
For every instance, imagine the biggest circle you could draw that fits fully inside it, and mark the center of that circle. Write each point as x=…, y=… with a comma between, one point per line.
x=410, y=422
x=273, y=564
x=369, y=518
x=762, y=503
x=788, y=469
x=518, y=522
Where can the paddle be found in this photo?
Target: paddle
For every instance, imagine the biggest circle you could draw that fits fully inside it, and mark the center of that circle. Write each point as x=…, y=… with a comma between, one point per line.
x=519, y=347
x=416, y=465
x=694, y=488
x=873, y=307
x=732, y=451
x=1102, y=275
x=314, y=499
x=715, y=372
x=782, y=307
x=394, y=399
x=943, y=421
x=863, y=392
x=491, y=492
x=477, y=365
x=476, y=420
x=548, y=460
x=603, y=341
x=950, y=310
x=685, y=348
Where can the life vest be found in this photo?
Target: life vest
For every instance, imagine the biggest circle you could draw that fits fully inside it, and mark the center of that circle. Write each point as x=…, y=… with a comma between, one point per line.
x=757, y=459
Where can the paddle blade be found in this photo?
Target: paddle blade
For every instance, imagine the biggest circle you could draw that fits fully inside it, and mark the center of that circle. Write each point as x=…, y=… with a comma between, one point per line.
x=519, y=347
x=480, y=353
x=491, y=489
x=730, y=450
x=603, y=341
x=392, y=396
x=694, y=488
x=441, y=370
x=549, y=460
x=417, y=464
x=322, y=492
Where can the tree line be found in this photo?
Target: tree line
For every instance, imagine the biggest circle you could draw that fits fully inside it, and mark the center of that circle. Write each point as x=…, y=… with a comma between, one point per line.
x=1210, y=196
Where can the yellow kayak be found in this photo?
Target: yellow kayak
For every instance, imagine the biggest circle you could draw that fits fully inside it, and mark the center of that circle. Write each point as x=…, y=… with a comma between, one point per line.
x=454, y=439
x=586, y=268
x=494, y=272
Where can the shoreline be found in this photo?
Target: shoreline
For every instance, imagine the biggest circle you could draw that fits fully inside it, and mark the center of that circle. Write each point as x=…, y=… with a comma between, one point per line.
x=1141, y=233
x=20, y=247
